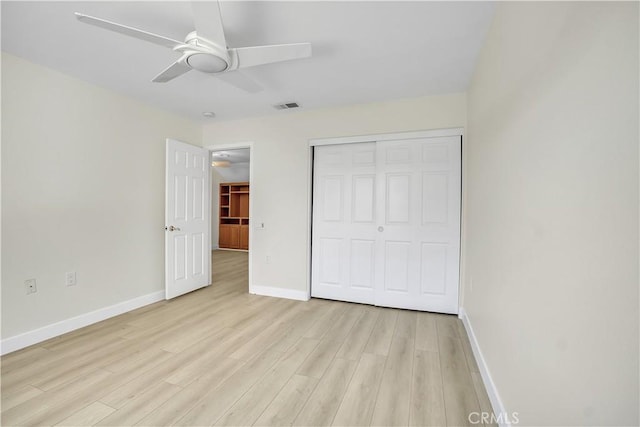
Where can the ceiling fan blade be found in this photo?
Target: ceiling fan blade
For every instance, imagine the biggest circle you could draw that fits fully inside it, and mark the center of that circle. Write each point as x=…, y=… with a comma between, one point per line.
x=174, y=70
x=129, y=31
x=208, y=21
x=241, y=81
x=258, y=55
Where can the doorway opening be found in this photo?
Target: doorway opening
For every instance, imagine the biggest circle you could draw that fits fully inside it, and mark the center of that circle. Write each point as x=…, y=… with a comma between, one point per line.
x=230, y=217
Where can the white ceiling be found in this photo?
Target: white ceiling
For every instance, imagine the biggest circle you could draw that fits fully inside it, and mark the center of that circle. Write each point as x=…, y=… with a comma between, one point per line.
x=238, y=169
x=362, y=51
x=240, y=155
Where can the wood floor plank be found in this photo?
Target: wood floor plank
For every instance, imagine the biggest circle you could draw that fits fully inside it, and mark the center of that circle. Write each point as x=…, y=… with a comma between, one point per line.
x=141, y=406
x=88, y=416
x=460, y=400
x=466, y=347
x=18, y=396
x=249, y=407
x=139, y=382
x=358, y=402
x=23, y=358
x=392, y=404
x=380, y=339
x=453, y=361
x=212, y=405
x=214, y=367
x=288, y=402
x=323, y=403
x=138, y=360
x=269, y=335
x=426, y=332
x=55, y=405
x=318, y=361
x=354, y=344
x=481, y=394
x=406, y=324
x=320, y=328
x=184, y=400
x=427, y=395
x=447, y=324
x=74, y=367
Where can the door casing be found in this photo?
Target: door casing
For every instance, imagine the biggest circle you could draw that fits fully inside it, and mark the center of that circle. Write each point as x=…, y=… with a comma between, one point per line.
x=235, y=146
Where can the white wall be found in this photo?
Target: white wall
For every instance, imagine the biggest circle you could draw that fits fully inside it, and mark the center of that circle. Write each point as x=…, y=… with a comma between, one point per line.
x=280, y=185
x=551, y=275
x=83, y=190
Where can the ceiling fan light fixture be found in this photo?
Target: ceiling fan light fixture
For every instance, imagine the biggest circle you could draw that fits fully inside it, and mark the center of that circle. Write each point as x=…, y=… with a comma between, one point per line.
x=209, y=114
x=207, y=63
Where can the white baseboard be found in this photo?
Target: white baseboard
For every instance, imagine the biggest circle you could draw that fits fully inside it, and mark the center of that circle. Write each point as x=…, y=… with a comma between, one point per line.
x=279, y=292
x=492, y=391
x=8, y=345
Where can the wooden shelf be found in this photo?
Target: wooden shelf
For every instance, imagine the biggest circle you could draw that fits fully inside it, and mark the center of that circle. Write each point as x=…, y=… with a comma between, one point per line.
x=234, y=215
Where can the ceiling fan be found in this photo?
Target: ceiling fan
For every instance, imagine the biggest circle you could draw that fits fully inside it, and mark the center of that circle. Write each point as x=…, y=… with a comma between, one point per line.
x=206, y=50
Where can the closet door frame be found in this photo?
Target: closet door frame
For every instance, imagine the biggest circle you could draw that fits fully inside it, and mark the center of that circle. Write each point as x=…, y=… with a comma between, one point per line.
x=376, y=138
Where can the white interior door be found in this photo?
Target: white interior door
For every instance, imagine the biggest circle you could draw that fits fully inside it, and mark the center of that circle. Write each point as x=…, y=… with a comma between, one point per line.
x=187, y=216
x=344, y=222
x=417, y=264
x=386, y=223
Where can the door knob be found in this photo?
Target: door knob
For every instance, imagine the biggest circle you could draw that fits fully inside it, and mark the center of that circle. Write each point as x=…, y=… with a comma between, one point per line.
x=381, y=229
x=172, y=228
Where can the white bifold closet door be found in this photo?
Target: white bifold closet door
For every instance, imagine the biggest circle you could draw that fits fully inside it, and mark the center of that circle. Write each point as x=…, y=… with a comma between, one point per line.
x=386, y=223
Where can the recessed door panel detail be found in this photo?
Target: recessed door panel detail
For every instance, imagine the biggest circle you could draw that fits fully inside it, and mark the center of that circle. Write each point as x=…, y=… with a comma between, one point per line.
x=361, y=266
x=331, y=158
x=397, y=155
x=180, y=260
x=433, y=275
x=332, y=199
x=197, y=162
x=435, y=154
x=397, y=198
x=362, y=158
x=180, y=159
x=197, y=242
x=435, y=199
x=330, y=261
x=396, y=266
x=180, y=189
x=197, y=185
x=363, y=196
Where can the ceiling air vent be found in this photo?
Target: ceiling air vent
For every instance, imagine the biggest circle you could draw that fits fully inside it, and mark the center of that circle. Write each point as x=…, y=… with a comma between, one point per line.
x=286, y=106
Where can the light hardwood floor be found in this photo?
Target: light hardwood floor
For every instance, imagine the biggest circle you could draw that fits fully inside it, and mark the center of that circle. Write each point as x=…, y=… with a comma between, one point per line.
x=220, y=356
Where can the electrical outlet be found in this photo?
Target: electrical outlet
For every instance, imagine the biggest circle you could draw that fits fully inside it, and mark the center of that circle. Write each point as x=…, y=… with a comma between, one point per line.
x=30, y=286
x=70, y=278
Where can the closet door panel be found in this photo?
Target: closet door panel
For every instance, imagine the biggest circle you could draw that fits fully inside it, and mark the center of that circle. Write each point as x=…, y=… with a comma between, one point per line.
x=344, y=221
x=419, y=227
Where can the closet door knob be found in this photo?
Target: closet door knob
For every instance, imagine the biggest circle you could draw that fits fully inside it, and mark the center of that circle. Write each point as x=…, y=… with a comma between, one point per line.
x=172, y=228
